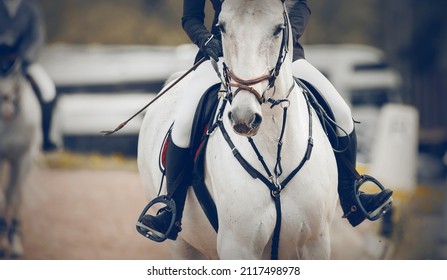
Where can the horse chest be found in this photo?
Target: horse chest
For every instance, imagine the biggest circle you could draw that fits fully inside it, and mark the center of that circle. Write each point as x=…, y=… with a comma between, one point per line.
x=15, y=138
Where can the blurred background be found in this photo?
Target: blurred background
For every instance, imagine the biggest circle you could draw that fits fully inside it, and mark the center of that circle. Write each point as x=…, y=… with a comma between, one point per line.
x=109, y=57
x=412, y=35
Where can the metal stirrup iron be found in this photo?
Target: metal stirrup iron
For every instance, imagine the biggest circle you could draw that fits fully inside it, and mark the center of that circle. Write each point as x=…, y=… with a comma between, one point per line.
x=150, y=233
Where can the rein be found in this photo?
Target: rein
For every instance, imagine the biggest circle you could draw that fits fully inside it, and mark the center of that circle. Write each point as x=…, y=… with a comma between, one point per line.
x=272, y=180
x=173, y=83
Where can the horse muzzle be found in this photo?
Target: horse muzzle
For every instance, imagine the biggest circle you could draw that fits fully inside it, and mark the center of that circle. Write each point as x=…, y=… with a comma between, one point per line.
x=246, y=124
x=7, y=112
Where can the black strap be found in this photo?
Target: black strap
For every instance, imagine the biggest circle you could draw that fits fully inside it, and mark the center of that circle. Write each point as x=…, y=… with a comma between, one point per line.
x=275, y=187
x=310, y=143
x=255, y=174
x=350, y=167
x=276, y=231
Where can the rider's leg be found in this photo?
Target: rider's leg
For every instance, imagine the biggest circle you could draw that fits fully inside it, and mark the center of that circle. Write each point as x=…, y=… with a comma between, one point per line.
x=342, y=113
x=45, y=91
x=178, y=176
x=179, y=162
x=346, y=181
x=347, y=139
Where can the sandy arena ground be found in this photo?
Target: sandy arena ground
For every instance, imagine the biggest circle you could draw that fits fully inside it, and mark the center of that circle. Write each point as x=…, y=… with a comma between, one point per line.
x=85, y=215
x=85, y=209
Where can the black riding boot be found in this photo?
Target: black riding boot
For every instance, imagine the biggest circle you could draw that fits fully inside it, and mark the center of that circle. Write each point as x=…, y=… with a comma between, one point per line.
x=346, y=184
x=47, y=112
x=178, y=177
x=47, y=109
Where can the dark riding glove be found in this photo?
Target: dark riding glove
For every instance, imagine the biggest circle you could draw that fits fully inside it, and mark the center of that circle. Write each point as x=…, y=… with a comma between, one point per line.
x=211, y=47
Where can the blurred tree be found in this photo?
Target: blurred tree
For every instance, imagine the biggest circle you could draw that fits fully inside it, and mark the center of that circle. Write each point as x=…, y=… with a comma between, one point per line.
x=428, y=42
x=414, y=35
x=343, y=21
x=114, y=21
x=153, y=5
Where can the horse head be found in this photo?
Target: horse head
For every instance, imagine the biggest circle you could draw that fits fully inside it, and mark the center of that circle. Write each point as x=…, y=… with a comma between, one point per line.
x=257, y=64
x=9, y=90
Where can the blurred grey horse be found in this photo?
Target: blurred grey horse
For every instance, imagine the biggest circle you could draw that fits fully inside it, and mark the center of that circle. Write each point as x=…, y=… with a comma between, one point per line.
x=20, y=139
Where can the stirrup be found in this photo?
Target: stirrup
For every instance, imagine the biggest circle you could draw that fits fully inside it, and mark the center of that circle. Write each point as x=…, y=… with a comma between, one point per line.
x=151, y=233
x=382, y=209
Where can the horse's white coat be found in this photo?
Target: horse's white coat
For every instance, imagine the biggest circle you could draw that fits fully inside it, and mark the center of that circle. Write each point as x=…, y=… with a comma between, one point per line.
x=245, y=208
x=20, y=139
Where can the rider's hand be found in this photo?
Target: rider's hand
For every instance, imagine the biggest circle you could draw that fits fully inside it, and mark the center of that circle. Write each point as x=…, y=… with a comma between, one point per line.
x=211, y=47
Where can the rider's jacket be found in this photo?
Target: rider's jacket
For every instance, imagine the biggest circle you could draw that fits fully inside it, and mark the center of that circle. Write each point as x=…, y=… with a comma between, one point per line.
x=194, y=15
x=21, y=29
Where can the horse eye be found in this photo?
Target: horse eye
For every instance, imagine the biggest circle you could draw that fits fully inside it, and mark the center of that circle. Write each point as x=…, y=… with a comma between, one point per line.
x=279, y=29
x=221, y=26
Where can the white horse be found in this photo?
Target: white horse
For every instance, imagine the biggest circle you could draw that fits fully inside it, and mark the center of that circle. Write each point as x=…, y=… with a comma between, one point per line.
x=20, y=138
x=255, y=37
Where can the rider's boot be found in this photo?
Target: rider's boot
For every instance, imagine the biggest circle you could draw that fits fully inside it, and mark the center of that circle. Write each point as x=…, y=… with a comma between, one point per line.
x=178, y=177
x=346, y=185
x=47, y=112
x=47, y=108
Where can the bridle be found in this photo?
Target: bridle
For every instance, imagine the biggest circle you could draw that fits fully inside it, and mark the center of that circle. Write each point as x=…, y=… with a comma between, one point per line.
x=232, y=80
x=11, y=97
x=272, y=181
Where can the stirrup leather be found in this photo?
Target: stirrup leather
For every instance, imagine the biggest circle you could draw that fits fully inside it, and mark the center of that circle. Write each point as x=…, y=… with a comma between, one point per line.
x=375, y=214
x=151, y=233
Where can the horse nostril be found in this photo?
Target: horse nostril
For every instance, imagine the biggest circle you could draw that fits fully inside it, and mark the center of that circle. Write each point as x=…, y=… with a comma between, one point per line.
x=257, y=120
x=230, y=117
